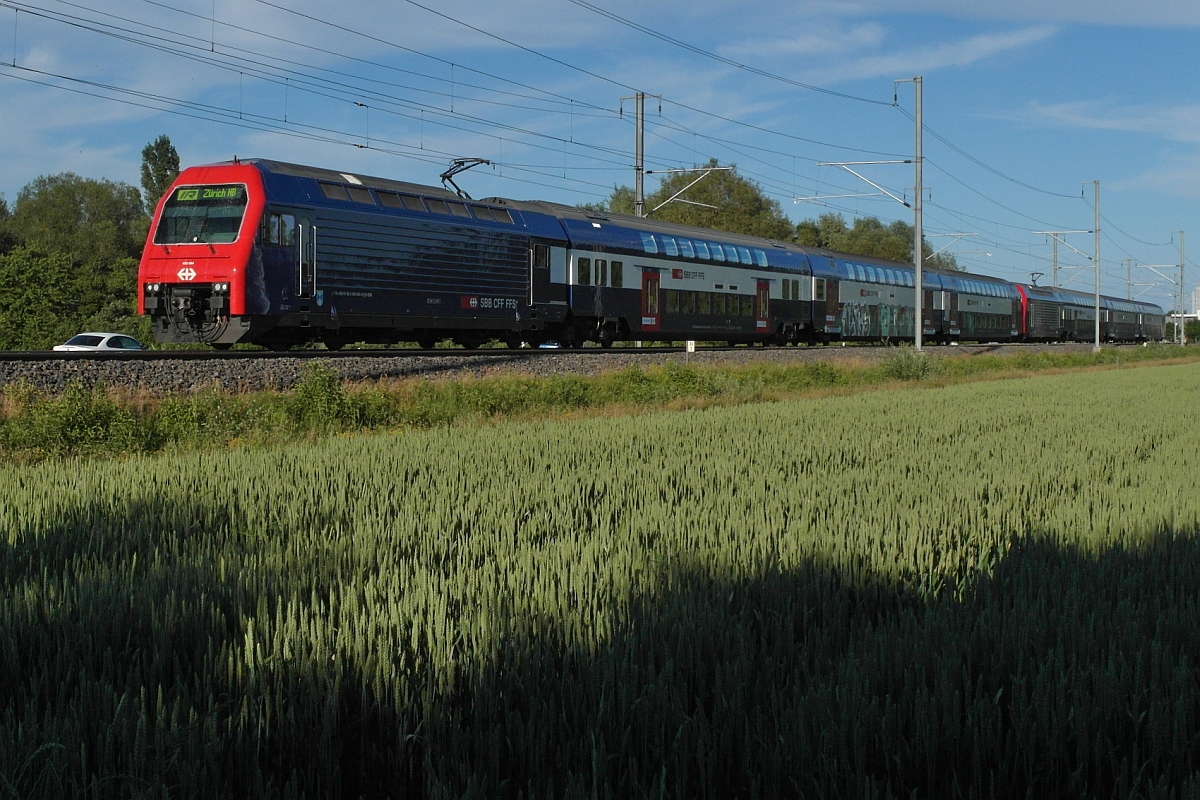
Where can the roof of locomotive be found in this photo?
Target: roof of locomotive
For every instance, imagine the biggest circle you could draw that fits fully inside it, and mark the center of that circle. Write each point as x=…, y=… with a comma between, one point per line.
x=333, y=176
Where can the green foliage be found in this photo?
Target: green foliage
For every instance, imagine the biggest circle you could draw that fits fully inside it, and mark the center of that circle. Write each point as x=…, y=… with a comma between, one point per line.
x=8, y=238
x=868, y=237
x=83, y=421
x=741, y=205
x=93, y=222
x=321, y=404
x=37, y=307
x=319, y=400
x=955, y=593
x=160, y=168
x=94, y=228
x=906, y=364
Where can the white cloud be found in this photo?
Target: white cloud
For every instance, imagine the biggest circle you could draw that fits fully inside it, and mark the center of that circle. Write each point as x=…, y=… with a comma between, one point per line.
x=817, y=40
x=1175, y=176
x=1123, y=13
x=1177, y=123
x=928, y=59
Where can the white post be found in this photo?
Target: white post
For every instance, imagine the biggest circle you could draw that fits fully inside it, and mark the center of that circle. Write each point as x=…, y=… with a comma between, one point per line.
x=639, y=199
x=918, y=234
x=1096, y=261
x=1182, y=321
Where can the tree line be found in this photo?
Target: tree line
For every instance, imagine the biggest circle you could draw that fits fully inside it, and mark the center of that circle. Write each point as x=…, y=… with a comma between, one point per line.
x=69, y=250
x=726, y=201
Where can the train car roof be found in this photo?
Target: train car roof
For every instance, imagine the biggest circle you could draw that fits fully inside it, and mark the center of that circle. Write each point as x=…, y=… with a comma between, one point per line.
x=587, y=215
x=1075, y=297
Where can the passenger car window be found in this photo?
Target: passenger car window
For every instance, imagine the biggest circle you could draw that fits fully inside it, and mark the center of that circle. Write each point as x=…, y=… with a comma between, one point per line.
x=648, y=243
x=412, y=203
x=458, y=210
x=584, y=269
x=482, y=212
x=360, y=195
x=685, y=249
x=669, y=246
x=437, y=206
x=761, y=257
x=744, y=254
x=702, y=250
x=718, y=254
x=601, y=272
x=617, y=273
x=389, y=200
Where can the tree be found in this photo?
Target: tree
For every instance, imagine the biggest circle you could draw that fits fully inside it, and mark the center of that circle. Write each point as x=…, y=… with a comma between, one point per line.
x=740, y=205
x=38, y=305
x=160, y=168
x=868, y=237
x=8, y=239
x=91, y=221
x=95, y=227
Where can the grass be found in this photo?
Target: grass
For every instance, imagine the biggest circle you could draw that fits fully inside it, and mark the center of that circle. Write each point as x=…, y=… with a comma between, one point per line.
x=90, y=422
x=979, y=590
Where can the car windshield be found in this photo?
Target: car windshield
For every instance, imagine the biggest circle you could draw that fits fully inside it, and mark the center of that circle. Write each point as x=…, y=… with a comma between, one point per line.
x=202, y=215
x=85, y=340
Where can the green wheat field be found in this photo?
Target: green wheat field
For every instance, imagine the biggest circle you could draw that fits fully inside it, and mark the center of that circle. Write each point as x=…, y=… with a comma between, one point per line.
x=988, y=590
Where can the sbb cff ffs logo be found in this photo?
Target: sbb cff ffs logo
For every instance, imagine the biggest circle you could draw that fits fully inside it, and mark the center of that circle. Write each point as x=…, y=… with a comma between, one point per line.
x=470, y=301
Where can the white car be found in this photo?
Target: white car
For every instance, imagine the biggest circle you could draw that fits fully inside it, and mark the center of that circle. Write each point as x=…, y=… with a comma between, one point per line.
x=99, y=342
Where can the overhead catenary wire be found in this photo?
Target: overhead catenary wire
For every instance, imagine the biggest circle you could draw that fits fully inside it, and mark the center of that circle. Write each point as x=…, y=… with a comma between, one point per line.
x=253, y=122
x=425, y=110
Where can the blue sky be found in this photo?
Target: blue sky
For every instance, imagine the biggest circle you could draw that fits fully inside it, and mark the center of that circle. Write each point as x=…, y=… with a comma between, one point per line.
x=1034, y=99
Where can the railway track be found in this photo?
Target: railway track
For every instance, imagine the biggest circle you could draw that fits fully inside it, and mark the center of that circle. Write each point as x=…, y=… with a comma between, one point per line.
x=491, y=352
x=166, y=372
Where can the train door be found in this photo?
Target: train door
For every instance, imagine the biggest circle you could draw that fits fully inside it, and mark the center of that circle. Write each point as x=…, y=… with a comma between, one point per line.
x=762, y=307
x=928, y=313
x=953, y=322
x=539, y=273
x=306, y=258
x=651, y=313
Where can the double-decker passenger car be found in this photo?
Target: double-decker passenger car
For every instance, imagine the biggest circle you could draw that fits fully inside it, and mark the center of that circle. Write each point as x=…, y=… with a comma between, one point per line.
x=1054, y=314
x=279, y=254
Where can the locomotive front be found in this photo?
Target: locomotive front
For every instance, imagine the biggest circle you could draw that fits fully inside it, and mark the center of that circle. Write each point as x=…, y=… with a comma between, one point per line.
x=193, y=270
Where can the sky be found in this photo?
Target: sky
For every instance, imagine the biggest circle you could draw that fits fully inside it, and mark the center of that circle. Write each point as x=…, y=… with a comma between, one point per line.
x=1026, y=104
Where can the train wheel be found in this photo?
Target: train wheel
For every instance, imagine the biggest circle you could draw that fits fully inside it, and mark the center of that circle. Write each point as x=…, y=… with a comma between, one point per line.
x=468, y=342
x=222, y=345
x=426, y=341
x=334, y=345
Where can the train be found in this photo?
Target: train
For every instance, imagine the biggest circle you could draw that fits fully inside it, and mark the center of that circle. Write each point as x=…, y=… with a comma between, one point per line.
x=280, y=254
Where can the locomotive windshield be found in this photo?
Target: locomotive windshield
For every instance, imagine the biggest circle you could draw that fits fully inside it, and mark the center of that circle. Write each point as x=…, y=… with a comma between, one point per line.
x=202, y=215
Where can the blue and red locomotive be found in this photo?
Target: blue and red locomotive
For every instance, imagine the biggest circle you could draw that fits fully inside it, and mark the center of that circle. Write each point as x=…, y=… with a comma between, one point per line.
x=280, y=254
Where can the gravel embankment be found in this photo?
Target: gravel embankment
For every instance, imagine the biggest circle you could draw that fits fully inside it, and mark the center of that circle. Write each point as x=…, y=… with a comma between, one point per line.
x=170, y=376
